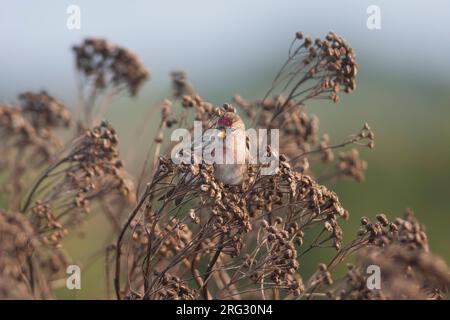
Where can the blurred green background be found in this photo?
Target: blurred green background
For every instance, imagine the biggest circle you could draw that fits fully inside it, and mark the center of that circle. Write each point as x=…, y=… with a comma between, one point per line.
x=229, y=47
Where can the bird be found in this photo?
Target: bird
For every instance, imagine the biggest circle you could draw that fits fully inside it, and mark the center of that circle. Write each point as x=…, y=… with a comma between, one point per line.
x=230, y=136
x=231, y=131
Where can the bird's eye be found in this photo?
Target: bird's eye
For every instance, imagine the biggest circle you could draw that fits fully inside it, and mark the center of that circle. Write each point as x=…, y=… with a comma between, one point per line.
x=225, y=122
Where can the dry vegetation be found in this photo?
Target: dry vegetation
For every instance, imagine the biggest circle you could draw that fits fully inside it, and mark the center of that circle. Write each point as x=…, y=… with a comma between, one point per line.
x=180, y=233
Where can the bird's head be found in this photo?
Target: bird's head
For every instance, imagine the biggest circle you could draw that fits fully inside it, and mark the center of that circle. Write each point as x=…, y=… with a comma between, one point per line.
x=229, y=122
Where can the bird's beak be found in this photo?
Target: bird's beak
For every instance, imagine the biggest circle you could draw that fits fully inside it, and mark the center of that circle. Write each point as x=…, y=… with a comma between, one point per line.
x=222, y=134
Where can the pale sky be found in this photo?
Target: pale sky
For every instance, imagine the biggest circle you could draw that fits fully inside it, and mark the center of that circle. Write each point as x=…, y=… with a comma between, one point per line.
x=229, y=41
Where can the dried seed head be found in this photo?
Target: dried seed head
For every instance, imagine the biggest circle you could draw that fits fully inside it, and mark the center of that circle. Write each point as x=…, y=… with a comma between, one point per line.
x=105, y=63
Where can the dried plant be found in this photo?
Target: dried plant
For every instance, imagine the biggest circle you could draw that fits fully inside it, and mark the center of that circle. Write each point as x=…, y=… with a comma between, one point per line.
x=104, y=68
x=44, y=111
x=189, y=233
x=85, y=174
x=315, y=69
x=90, y=170
x=400, y=249
x=246, y=241
x=17, y=240
x=28, y=140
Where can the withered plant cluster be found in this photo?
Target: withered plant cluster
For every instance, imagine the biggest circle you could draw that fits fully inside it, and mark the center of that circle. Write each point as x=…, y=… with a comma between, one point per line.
x=180, y=232
x=104, y=71
x=53, y=184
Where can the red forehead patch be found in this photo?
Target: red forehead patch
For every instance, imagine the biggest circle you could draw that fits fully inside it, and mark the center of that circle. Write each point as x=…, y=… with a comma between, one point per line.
x=225, y=122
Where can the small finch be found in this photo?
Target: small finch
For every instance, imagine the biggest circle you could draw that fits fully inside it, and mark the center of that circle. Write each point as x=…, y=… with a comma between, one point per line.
x=230, y=138
x=233, y=168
